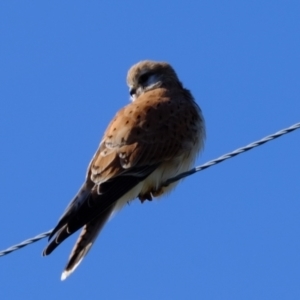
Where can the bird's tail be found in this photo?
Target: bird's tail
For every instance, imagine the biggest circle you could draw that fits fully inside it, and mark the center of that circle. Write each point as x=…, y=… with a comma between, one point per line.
x=85, y=241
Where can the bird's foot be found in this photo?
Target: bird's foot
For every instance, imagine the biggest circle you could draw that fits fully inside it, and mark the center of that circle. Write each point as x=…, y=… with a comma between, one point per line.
x=148, y=196
x=144, y=197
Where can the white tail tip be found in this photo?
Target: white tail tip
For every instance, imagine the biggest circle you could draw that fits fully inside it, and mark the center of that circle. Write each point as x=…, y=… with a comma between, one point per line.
x=64, y=275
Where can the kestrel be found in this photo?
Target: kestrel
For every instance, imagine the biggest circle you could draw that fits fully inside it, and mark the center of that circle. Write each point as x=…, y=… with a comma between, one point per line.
x=155, y=137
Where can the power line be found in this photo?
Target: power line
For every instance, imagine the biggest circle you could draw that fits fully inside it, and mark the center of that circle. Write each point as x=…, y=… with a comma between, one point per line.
x=178, y=177
x=25, y=243
x=235, y=152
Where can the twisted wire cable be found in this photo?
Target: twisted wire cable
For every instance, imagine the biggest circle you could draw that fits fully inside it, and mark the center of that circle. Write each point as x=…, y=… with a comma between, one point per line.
x=25, y=243
x=234, y=153
x=178, y=177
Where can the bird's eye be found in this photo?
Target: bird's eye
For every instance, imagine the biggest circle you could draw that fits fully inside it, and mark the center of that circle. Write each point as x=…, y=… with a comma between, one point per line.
x=143, y=78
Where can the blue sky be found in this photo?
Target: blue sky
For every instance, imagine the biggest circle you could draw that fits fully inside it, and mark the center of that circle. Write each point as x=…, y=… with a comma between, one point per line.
x=229, y=232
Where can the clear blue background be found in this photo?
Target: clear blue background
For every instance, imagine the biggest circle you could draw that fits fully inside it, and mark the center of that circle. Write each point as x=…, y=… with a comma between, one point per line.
x=229, y=232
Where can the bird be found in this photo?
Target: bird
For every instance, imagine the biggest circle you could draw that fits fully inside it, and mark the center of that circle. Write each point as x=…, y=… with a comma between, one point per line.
x=157, y=136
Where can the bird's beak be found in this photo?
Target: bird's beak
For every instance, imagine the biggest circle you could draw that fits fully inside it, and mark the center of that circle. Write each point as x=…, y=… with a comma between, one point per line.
x=132, y=92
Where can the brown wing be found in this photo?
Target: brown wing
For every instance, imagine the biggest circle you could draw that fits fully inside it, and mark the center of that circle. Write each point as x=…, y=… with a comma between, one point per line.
x=156, y=127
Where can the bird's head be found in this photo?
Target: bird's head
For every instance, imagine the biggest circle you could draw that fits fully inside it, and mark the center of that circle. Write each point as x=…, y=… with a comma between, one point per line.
x=148, y=75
